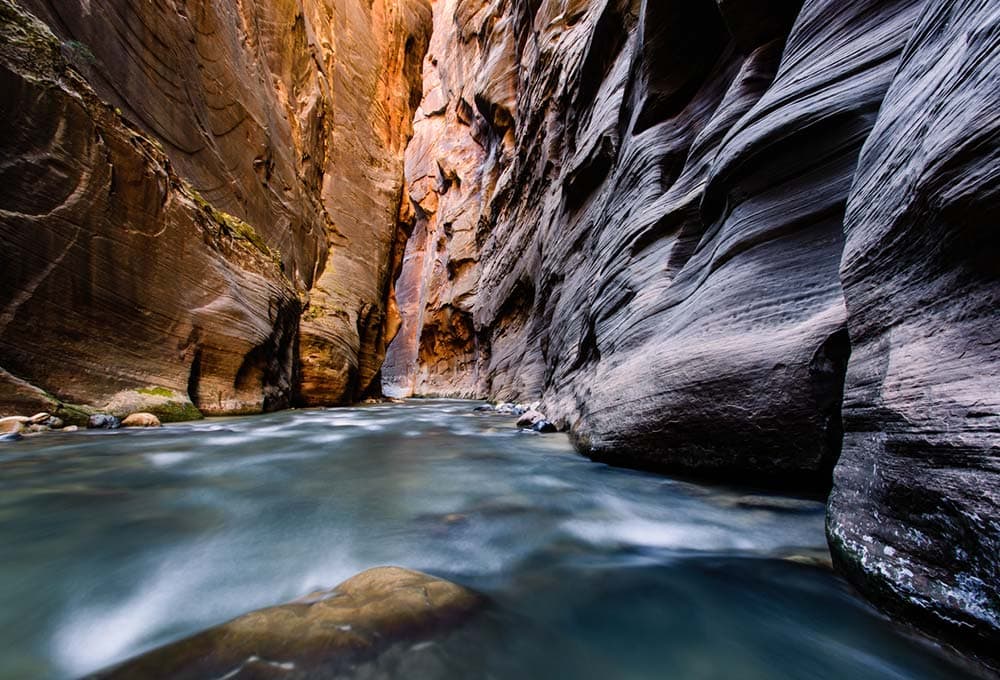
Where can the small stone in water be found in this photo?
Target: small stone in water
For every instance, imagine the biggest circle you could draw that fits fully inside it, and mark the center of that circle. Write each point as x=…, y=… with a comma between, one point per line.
x=103, y=421
x=141, y=420
x=544, y=426
x=530, y=418
x=12, y=424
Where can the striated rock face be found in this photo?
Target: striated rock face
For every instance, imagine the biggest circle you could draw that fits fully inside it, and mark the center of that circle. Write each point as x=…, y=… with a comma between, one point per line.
x=437, y=350
x=660, y=223
x=677, y=242
x=376, y=79
x=914, y=517
x=285, y=122
x=120, y=283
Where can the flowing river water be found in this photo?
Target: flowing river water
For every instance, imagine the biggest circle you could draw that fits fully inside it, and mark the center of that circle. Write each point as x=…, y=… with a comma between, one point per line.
x=116, y=542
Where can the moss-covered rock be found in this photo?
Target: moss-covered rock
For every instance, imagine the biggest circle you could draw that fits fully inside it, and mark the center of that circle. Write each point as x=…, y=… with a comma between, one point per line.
x=168, y=405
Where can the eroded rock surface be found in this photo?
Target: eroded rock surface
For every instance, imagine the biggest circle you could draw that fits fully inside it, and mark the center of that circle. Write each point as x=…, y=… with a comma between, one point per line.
x=678, y=241
x=317, y=636
x=379, y=48
x=118, y=280
x=914, y=518
x=276, y=129
x=660, y=221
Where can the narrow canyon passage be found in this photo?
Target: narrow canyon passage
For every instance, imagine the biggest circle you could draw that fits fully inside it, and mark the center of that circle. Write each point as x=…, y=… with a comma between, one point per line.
x=118, y=542
x=750, y=245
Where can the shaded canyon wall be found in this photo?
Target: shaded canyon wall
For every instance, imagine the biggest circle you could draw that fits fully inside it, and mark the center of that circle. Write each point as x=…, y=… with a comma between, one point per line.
x=684, y=225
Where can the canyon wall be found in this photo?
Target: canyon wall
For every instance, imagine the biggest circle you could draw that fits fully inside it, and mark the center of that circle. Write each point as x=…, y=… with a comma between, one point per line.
x=280, y=125
x=675, y=221
x=914, y=517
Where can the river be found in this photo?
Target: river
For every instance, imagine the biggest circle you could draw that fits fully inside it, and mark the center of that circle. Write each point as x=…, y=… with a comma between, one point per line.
x=116, y=542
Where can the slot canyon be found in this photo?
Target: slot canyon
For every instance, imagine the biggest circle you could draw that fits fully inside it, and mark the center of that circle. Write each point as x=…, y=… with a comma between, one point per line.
x=740, y=245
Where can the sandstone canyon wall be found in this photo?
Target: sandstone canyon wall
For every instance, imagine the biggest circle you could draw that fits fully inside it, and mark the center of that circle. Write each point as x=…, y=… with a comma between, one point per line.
x=743, y=240
x=148, y=129
x=675, y=221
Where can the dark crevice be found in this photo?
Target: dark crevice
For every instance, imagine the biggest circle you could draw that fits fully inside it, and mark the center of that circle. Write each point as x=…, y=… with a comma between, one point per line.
x=828, y=372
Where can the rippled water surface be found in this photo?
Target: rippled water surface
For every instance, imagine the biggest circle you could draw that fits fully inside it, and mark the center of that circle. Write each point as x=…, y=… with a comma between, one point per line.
x=115, y=542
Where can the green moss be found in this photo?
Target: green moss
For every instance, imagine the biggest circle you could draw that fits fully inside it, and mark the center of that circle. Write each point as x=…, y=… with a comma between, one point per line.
x=73, y=414
x=156, y=391
x=176, y=411
x=234, y=227
x=80, y=50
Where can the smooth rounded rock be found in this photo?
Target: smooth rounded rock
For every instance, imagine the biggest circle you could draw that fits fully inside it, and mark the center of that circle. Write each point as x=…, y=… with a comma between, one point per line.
x=13, y=424
x=321, y=632
x=39, y=418
x=141, y=420
x=529, y=418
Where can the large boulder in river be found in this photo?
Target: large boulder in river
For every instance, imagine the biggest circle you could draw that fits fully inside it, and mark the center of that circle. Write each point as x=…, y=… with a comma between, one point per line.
x=322, y=632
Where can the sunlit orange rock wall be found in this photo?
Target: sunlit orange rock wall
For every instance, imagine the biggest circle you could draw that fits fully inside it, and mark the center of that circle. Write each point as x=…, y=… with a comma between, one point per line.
x=287, y=119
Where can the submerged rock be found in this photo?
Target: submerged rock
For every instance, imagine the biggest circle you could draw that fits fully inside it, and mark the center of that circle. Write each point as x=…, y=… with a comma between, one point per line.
x=103, y=421
x=141, y=420
x=11, y=437
x=323, y=631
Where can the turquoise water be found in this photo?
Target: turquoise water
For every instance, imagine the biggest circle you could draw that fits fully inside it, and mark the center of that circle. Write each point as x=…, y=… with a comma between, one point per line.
x=115, y=542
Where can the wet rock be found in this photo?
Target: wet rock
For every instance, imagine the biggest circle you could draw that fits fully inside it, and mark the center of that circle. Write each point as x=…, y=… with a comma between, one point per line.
x=39, y=418
x=529, y=418
x=38, y=428
x=103, y=421
x=13, y=424
x=544, y=426
x=70, y=428
x=322, y=632
x=141, y=420
x=11, y=437
x=55, y=422
x=485, y=408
